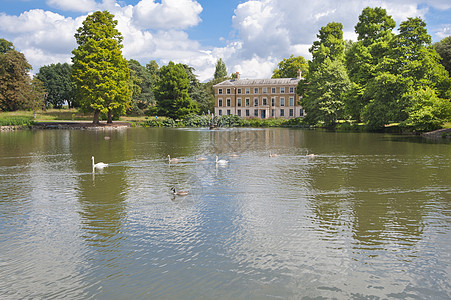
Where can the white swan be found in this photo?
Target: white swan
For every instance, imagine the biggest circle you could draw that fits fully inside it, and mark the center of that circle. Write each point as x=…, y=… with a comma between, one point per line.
x=221, y=161
x=200, y=158
x=99, y=165
x=179, y=193
x=273, y=154
x=310, y=155
x=173, y=160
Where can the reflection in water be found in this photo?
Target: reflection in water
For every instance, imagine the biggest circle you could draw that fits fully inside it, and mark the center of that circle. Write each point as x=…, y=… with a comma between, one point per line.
x=368, y=217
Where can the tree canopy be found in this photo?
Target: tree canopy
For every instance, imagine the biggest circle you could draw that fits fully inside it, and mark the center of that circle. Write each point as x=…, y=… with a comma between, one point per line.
x=57, y=80
x=288, y=67
x=220, y=70
x=100, y=72
x=443, y=48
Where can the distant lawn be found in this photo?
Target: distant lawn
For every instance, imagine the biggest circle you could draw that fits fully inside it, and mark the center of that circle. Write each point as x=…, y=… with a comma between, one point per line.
x=50, y=115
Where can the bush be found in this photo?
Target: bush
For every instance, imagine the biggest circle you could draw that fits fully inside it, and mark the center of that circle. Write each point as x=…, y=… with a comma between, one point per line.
x=16, y=121
x=196, y=121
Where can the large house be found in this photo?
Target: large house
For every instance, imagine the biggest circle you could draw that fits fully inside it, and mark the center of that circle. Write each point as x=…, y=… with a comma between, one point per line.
x=261, y=98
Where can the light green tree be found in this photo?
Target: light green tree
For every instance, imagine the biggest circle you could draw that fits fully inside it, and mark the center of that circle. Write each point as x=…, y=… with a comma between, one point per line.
x=288, y=67
x=100, y=72
x=171, y=92
x=220, y=70
x=37, y=95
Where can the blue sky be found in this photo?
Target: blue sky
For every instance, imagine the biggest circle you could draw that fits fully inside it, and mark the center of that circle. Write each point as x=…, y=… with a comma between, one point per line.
x=250, y=36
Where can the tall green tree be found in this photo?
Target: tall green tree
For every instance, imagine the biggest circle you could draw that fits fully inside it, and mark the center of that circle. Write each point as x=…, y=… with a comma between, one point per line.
x=330, y=44
x=57, y=80
x=220, y=70
x=172, y=92
x=14, y=79
x=5, y=46
x=443, y=48
x=373, y=25
x=37, y=95
x=100, y=72
x=288, y=67
x=198, y=92
x=142, y=85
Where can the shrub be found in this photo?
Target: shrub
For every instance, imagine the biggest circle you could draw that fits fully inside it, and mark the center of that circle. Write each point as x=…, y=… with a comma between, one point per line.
x=16, y=121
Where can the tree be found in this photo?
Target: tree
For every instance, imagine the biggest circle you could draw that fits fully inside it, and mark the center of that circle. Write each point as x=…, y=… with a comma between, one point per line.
x=37, y=96
x=14, y=79
x=323, y=99
x=197, y=92
x=443, y=48
x=374, y=24
x=288, y=68
x=57, y=80
x=5, y=46
x=330, y=44
x=220, y=70
x=100, y=72
x=171, y=92
x=154, y=70
x=142, y=85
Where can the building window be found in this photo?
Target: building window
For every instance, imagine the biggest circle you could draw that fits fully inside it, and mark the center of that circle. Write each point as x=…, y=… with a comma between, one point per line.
x=238, y=102
x=301, y=112
x=273, y=90
x=228, y=112
x=282, y=112
x=228, y=91
x=238, y=91
x=282, y=101
x=255, y=101
x=272, y=112
x=273, y=101
x=247, y=112
x=219, y=102
x=291, y=112
x=220, y=91
x=282, y=90
x=248, y=90
x=264, y=90
x=228, y=102
x=291, y=101
x=247, y=101
x=239, y=113
x=291, y=90
x=255, y=90
x=256, y=112
x=264, y=101
x=220, y=112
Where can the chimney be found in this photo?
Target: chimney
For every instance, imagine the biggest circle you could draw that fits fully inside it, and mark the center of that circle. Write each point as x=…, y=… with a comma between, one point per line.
x=237, y=77
x=299, y=74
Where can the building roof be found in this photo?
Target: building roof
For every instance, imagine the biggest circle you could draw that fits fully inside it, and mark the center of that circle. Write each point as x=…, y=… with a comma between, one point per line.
x=254, y=82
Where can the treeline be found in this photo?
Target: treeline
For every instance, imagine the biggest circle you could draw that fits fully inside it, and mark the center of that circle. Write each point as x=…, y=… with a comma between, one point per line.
x=382, y=78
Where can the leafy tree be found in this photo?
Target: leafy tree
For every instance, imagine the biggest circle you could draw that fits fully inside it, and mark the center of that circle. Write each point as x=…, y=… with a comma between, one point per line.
x=57, y=80
x=197, y=92
x=14, y=79
x=5, y=46
x=142, y=85
x=443, y=48
x=323, y=99
x=374, y=24
x=288, y=68
x=154, y=70
x=100, y=72
x=37, y=96
x=171, y=92
x=330, y=44
x=220, y=70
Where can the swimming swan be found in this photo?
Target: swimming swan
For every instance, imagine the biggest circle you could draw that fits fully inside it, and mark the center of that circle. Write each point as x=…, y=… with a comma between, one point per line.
x=173, y=160
x=273, y=154
x=221, y=161
x=310, y=155
x=179, y=193
x=99, y=165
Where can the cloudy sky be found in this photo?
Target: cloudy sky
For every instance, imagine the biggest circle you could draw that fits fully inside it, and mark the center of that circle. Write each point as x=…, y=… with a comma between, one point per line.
x=250, y=36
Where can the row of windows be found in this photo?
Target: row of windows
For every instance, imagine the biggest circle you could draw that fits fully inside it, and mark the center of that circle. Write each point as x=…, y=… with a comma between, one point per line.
x=263, y=112
x=264, y=102
x=256, y=90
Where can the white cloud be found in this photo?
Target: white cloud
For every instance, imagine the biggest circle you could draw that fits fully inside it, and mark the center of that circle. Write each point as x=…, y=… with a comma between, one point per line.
x=71, y=5
x=180, y=14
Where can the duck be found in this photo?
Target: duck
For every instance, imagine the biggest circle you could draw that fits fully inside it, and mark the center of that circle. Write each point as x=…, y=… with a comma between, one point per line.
x=273, y=154
x=179, y=193
x=173, y=160
x=221, y=161
x=99, y=165
x=233, y=155
x=310, y=155
x=200, y=158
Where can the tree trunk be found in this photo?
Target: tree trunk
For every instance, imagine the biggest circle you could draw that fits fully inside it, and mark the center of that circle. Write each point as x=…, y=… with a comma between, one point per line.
x=110, y=116
x=96, y=116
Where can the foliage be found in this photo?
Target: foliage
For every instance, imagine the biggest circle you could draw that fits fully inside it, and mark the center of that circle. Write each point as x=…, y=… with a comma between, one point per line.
x=16, y=121
x=330, y=45
x=100, y=72
x=14, y=79
x=288, y=68
x=58, y=84
x=443, y=48
x=220, y=70
x=5, y=46
x=196, y=121
x=141, y=84
x=171, y=92
x=427, y=112
x=198, y=92
x=374, y=23
x=37, y=95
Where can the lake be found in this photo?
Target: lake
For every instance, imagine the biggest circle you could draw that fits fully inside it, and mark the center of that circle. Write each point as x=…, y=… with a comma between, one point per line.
x=367, y=217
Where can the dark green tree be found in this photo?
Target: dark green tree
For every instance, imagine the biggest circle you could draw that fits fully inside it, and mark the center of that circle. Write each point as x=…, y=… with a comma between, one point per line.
x=15, y=80
x=198, y=92
x=142, y=87
x=443, y=48
x=154, y=70
x=172, y=92
x=220, y=70
x=373, y=25
x=288, y=67
x=100, y=72
x=57, y=80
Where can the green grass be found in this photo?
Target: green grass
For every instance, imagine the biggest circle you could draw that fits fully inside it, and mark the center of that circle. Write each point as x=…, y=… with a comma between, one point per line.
x=50, y=115
x=16, y=120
